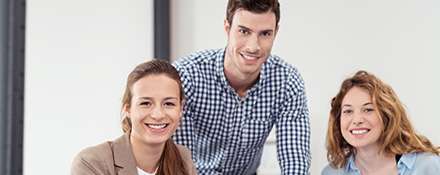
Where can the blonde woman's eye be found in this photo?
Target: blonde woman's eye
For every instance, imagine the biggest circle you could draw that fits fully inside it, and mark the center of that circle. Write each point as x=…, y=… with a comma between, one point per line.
x=170, y=104
x=347, y=111
x=369, y=110
x=146, y=103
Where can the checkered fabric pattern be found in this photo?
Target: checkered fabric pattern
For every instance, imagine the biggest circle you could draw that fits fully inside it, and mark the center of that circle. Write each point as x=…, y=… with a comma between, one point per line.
x=226, y=133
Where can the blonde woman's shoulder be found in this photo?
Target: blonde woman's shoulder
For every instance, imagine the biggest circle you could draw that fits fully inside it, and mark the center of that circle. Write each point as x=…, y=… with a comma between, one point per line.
x=93, y=160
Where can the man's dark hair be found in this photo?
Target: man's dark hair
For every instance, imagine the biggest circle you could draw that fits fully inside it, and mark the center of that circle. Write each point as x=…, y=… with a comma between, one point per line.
x=255, y=6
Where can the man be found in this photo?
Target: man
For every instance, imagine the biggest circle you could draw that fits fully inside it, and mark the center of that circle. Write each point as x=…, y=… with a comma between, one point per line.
x=235, y=95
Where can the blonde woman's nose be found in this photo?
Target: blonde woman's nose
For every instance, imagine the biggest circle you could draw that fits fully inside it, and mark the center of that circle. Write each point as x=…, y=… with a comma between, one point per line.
x=157, y=112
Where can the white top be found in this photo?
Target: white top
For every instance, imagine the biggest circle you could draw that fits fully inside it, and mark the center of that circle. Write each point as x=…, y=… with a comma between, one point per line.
x=142, y=172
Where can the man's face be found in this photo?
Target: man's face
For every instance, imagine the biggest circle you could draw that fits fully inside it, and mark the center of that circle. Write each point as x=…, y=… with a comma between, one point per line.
x=250, y=39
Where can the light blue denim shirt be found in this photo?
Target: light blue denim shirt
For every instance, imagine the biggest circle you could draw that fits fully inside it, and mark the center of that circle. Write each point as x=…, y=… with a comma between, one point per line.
x=409, y=164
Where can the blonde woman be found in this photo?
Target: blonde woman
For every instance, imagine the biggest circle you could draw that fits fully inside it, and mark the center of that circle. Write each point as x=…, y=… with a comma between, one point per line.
x=152, y=107
x=369, y=132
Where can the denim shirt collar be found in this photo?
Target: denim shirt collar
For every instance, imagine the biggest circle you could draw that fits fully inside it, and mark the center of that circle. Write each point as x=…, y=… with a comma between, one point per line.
x=351, y=166
x=407, y=161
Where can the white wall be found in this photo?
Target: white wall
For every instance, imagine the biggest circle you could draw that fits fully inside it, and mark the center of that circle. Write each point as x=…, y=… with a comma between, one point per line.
x=328, y=41
x=78, y=55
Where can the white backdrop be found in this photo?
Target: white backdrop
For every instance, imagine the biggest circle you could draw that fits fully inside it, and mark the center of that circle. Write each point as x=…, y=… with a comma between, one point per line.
x=398, y=40
x=78, y=55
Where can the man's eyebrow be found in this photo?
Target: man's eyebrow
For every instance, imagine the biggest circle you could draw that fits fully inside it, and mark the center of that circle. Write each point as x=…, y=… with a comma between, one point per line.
x=248, y=29
x=244, y=27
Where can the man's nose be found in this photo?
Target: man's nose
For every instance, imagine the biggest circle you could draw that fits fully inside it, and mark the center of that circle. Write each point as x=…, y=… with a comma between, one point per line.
x=253, y=45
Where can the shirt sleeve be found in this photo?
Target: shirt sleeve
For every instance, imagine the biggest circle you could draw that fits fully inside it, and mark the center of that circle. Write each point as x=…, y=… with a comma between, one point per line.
x=185, y=132
x=427, y=164
x=293, y=129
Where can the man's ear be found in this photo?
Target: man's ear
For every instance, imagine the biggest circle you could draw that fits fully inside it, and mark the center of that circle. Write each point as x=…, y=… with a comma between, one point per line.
x=276, y=30
x=227, y=26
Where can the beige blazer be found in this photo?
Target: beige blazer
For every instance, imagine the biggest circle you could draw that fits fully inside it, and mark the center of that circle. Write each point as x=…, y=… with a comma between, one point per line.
x=115, y=158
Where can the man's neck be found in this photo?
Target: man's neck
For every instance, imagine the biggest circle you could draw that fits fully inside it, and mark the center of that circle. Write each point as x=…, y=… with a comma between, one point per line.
x=240, y=82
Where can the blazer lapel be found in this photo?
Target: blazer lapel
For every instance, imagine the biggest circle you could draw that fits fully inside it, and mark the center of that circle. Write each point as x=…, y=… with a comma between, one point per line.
x=123, y=155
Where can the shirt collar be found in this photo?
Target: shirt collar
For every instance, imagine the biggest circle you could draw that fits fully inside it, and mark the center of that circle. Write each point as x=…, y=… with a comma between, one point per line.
x=123, y=155
x=219, y=62
x=407, y=160
x=351, y=165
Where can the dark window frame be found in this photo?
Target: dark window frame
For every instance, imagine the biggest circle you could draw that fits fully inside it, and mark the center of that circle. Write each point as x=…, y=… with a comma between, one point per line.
x=12, y=75
x=162, y=29
x=12, y=62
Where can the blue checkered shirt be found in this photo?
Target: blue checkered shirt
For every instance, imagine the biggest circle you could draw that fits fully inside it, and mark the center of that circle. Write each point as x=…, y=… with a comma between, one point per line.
x=226, y=133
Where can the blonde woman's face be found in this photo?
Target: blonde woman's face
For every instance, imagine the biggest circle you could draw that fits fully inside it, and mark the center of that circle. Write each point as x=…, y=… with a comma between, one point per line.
x=155, y=109
x=361, y=126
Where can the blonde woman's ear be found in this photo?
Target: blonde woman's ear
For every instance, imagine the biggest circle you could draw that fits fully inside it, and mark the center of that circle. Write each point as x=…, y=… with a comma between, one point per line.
x=126, y=114
x=126, y=111
x=182, y=105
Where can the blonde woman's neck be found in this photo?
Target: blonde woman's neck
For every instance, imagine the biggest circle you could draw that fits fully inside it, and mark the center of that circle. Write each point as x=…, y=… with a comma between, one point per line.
x=147, y=156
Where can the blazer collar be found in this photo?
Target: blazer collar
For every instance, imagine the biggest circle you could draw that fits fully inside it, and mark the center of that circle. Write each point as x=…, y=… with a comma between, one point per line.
x=123, y=155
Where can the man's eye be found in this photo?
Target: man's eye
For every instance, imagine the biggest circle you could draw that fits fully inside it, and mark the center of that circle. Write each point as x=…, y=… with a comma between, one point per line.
x=266, y=34
x=243, y=31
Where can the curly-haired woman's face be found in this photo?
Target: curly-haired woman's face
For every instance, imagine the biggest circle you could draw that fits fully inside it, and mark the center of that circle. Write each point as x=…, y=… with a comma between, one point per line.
x=360, y=125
